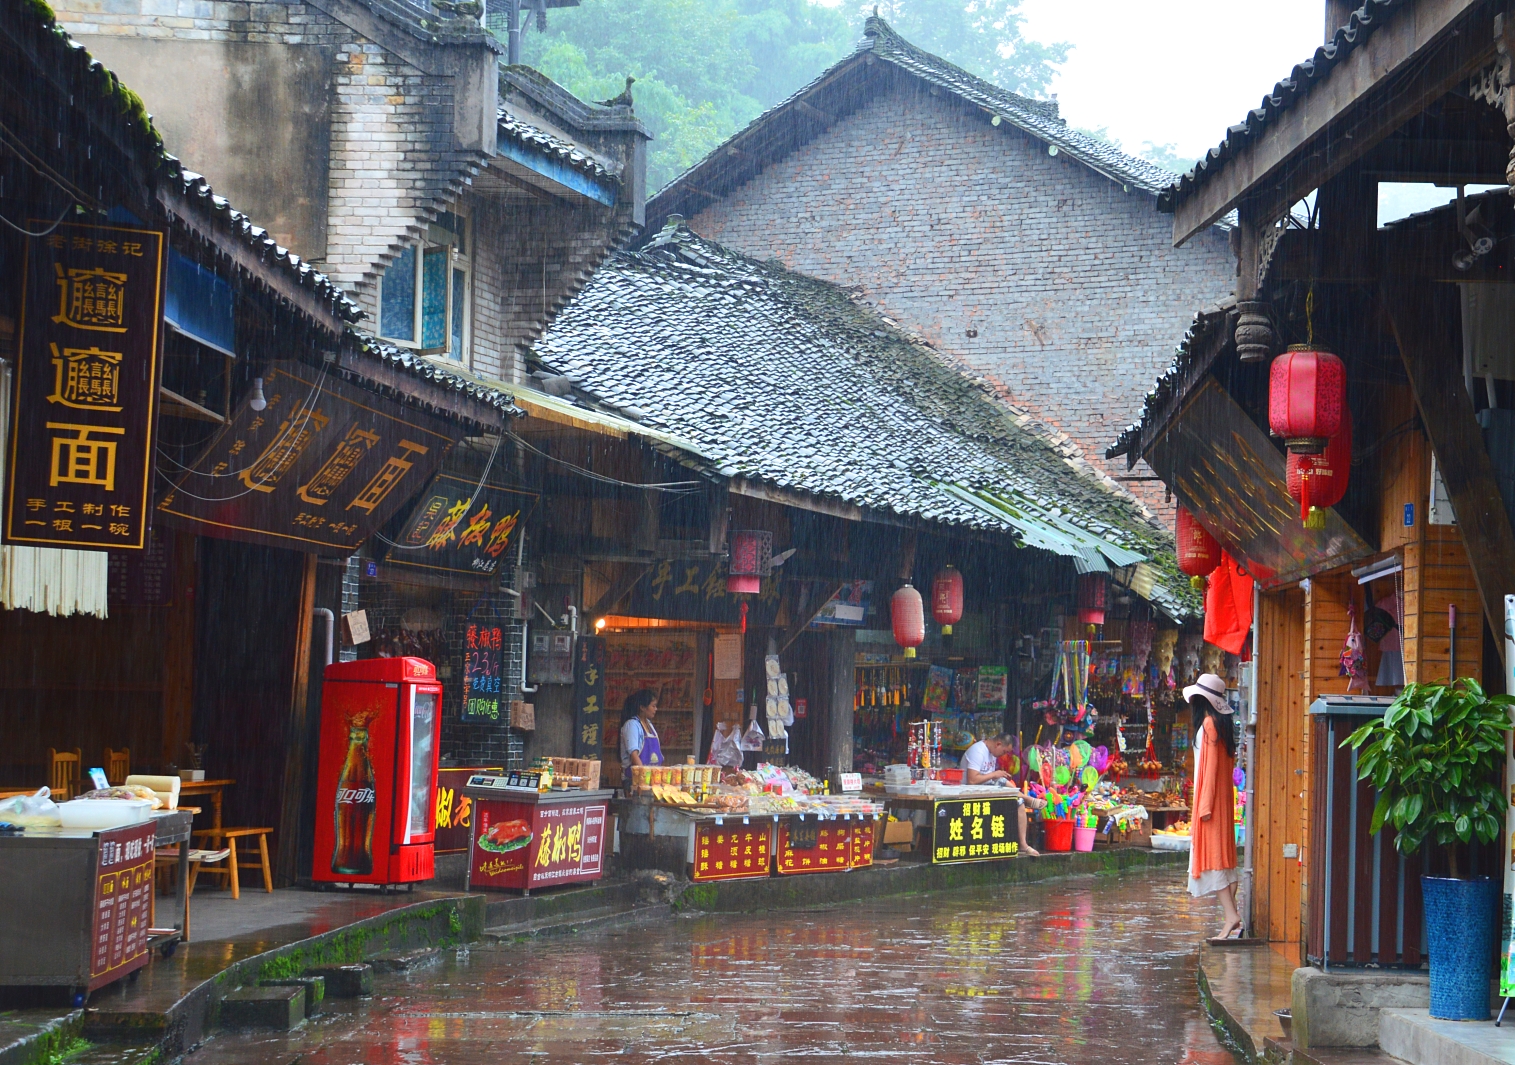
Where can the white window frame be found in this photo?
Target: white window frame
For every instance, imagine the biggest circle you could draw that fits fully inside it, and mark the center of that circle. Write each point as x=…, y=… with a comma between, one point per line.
x=458, y=247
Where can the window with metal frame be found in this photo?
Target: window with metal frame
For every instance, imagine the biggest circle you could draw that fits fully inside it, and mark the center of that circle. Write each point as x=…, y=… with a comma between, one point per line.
x=426, y=294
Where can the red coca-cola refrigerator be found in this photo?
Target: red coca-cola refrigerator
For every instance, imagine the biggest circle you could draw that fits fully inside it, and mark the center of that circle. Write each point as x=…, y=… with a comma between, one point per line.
x=376, y=789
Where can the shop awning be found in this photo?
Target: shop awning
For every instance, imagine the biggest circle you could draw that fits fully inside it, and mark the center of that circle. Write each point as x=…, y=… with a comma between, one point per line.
x=1222, y=467
x=1047, y=530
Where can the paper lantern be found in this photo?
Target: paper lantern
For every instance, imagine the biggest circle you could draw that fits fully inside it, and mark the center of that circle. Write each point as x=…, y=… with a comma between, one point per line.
x=1319, y=481
x=1198, y=552
x=947, y=599
x=751, y=560
x=1307, y=392
x=1093, y=595
x=908, y=614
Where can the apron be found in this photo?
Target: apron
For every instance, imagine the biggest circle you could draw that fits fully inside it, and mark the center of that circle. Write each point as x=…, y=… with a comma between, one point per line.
x=652, y=750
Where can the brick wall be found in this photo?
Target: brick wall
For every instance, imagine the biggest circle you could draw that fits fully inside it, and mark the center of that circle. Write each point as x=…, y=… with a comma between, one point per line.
x=1032, y=270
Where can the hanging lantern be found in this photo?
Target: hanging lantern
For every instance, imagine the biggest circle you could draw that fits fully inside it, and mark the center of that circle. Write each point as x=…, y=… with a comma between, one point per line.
x=947, y=599
x=751, y=560
x=1198, y=552
x=1093, y=596
x=1320, y=481
x=908, y=615
x=1307, y=392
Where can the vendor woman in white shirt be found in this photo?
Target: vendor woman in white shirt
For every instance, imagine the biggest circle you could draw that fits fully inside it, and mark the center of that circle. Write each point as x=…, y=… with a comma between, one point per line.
x=639, y=738
x=980, y=765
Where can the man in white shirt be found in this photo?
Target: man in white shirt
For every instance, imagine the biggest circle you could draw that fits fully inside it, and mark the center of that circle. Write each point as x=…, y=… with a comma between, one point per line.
x=980, y=765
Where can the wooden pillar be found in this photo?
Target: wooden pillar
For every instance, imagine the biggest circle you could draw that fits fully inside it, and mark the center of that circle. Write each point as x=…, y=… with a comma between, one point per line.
x=1427, y=329
x=841, y=646
x=179, y=653
x=1281, y=786
x=296, y=732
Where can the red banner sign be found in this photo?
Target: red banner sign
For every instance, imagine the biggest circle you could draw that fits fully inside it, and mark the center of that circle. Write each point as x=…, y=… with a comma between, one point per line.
x=454, y=809
x=812, y=846
x=123, y=900
x=528, y=845
x=85, y=402
x=731, y=852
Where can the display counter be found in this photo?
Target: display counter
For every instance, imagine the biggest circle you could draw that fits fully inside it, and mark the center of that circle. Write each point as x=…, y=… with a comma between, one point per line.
x=739, y=846
x=77, y=903
x=525, y=840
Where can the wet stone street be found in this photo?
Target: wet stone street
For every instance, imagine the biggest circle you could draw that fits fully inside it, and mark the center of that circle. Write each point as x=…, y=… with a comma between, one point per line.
x=1074, y=971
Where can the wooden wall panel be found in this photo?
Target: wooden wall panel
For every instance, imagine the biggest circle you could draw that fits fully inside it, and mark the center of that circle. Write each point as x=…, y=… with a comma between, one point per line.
x=1406, y=466
x=1281, y=766
x=1438, y=574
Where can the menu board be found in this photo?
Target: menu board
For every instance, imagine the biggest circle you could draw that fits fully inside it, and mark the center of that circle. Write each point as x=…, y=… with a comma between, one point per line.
x=483, y=670
x=123, y=900
x=526, y=845
x=974, y=830
x=730, y=852
x=815, y=846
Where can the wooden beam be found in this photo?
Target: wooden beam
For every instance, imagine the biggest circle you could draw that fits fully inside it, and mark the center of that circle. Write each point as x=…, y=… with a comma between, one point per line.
x=292, y=813
x=1427, y=329
x=808, y=613
x=618, y=591
x=1424, y=50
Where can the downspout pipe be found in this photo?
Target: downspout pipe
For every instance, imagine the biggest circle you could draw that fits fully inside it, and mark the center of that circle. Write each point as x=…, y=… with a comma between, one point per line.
x=325, y=614
x=1249, y=818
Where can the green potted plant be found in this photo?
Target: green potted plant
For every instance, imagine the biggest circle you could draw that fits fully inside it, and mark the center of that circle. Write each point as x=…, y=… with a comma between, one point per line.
x=1435, y=758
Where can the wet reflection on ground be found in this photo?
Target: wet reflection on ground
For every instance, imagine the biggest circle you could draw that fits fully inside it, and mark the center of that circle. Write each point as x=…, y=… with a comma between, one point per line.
x=1085, y=970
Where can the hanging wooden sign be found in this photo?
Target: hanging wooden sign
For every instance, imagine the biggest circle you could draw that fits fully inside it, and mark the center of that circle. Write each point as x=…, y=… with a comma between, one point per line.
x=461, y=527
x=589, y=697
x=322, y=466
x=84, y=403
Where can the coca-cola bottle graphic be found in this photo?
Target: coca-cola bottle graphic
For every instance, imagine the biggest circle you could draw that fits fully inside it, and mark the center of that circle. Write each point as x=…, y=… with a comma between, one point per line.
x=353, y=854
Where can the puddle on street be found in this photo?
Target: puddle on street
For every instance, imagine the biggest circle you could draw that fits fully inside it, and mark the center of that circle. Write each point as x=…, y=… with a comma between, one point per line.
x=1078, y=971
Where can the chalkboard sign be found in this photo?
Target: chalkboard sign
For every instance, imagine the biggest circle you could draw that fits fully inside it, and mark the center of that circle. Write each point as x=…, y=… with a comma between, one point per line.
x=483, y=670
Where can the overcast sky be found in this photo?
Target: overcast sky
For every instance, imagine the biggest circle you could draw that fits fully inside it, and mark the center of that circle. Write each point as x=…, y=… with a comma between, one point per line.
x=1172, y=71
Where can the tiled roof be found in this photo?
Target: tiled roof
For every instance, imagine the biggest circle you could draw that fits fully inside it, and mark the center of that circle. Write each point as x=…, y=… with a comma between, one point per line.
x=740, y=156
x=777, y=377
x=1195, y=347
x=1304, y=77
x=1037, y=117
x=424, y=369
x=524, y=133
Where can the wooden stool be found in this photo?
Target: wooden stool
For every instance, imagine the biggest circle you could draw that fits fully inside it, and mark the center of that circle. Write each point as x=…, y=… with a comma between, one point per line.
x=63, y=773
x=231, y=835
x=118, y=765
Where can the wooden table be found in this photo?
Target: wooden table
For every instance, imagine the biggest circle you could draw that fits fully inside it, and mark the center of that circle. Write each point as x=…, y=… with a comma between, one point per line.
x=10, y=793
x=210, y=788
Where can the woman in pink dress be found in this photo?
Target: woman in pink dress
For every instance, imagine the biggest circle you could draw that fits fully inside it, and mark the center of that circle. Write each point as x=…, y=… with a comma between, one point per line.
x=1212, y=816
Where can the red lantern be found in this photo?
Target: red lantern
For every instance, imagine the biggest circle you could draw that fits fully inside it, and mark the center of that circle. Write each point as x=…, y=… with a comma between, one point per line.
x=947, y=599
x=1319, y=481
x=1198, y=552
x=1307, y=392
x=908, y=615
x=751, y=560
x=1093, y=593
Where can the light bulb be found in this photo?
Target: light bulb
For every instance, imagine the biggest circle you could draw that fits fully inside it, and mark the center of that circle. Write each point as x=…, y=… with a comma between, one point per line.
x=257, y=402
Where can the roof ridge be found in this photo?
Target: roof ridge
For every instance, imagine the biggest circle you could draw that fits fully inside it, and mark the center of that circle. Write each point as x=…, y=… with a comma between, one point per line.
x=877, y=26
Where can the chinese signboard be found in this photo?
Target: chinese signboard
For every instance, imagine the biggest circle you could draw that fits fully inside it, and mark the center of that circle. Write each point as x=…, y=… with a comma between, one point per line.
x=123, y=898
x=454, y=809
x=527, y=845
x=483, y=668
x=322, y=466
x=813, y=846
x=730, y=852
x=696, y=591
x=973, y=830
x=460, y=527
x=84, y=408
x=589, y=697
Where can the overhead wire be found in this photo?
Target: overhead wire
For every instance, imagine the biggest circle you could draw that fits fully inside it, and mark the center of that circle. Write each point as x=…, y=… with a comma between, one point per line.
x=672, y=487
x=467, y=503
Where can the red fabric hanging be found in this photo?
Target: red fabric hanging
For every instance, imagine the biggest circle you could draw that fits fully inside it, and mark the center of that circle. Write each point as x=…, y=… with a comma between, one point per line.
x=1228, y=606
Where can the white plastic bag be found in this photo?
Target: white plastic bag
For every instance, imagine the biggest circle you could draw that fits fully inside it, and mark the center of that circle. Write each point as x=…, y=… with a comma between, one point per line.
x=31, y=811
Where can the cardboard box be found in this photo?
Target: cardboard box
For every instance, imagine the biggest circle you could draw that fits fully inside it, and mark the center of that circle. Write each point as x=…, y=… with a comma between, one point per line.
x=1138, y=835
x=897, y=833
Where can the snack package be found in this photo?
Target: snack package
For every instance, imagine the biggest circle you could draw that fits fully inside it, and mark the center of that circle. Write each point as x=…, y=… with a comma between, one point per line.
x=31, y=811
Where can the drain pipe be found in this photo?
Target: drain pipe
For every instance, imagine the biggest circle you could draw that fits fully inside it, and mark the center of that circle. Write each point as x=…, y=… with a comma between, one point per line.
x=325, y=614
x=1249, y=841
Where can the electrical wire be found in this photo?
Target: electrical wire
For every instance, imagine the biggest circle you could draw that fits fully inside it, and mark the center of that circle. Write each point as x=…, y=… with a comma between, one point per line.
x=471, y=497
x=289, y=426
x=45, y=232
x=41, y=168
x=672, y=487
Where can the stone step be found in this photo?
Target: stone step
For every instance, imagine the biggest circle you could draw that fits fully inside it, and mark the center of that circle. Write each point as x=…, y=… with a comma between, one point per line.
x=402, y=961
x=314, y=986
x=1418, y=1038
x=345, y=981
x=279, y=1008
x=566, y=924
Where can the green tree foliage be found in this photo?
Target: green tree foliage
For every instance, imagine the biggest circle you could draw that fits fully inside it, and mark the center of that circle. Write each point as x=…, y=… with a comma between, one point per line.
x=705, y=68
x=1436, y=757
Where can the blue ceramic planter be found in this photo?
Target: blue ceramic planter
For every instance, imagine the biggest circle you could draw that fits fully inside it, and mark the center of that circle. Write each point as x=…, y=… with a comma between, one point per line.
x=1460, y=918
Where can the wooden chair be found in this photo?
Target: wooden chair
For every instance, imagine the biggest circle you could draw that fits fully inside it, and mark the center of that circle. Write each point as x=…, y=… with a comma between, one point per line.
x=228, y=872
x=118, y=765
x=63, y=769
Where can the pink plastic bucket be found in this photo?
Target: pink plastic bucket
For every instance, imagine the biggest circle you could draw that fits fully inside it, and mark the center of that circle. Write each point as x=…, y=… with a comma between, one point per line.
x=1083, y=837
